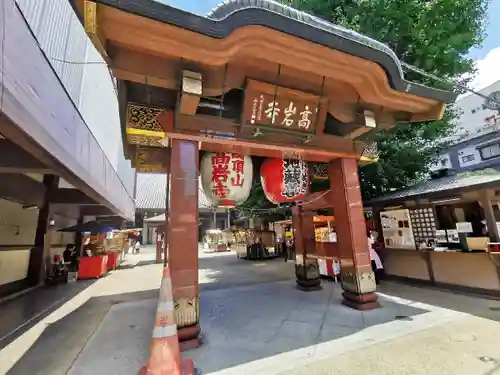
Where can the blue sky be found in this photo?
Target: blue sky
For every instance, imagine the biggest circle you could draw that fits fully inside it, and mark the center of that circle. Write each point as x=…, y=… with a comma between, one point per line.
x=492, y=39
x=487, y=56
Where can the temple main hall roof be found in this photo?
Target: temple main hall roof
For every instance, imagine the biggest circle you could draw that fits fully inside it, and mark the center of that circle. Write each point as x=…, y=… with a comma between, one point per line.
x=233, y=14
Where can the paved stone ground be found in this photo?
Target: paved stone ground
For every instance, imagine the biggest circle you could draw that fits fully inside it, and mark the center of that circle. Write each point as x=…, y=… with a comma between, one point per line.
x=255, y=322
x=51, y=345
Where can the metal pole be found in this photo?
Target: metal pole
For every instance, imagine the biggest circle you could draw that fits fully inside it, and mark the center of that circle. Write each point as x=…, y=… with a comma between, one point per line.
x=215, y=218
x=228, y=219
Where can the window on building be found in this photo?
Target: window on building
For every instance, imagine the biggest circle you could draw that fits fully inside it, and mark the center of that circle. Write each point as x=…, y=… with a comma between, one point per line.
x=491, y=151
x=468, y=158
x=443, y=162
x=473, y=111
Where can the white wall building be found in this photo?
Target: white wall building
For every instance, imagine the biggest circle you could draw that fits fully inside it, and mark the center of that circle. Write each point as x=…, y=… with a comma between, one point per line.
x=476, y=144
x=476, y=119
x=84, y=74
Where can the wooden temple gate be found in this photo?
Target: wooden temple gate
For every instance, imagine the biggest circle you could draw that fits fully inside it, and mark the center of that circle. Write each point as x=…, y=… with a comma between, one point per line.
x=261, y=79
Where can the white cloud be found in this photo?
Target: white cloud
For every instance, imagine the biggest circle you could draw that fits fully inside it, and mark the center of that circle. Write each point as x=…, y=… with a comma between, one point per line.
x=488, y=70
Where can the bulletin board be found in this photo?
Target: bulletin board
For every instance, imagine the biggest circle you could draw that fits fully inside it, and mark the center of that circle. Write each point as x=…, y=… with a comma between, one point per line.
x=397, y=229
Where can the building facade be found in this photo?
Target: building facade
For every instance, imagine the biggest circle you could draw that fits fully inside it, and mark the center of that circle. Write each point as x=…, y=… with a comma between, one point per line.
x=477, y=141
x=150, y=201
x=475, y=118
x=472, y=154
x=61, y=152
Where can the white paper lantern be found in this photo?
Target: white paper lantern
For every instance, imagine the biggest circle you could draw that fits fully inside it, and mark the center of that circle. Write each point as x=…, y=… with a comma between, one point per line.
x=226, y=178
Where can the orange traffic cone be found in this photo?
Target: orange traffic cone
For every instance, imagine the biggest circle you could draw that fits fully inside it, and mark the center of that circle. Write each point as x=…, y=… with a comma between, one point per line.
x=164, y=356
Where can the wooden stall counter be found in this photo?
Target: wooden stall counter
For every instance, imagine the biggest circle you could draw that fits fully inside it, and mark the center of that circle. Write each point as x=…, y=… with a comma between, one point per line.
x=473, y=270
x=405, y=263
x=92, y=267
x=477, y=272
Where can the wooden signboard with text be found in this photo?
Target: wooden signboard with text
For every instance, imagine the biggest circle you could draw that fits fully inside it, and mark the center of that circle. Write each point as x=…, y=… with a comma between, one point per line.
x=278, y=107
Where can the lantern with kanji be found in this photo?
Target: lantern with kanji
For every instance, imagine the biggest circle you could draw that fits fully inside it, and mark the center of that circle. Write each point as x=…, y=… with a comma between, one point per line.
x=226, y=178
x=284, y=180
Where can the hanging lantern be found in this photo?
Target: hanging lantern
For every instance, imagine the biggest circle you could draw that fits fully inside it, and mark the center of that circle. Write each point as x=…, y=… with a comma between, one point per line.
x=226, y=178
x=284, y=180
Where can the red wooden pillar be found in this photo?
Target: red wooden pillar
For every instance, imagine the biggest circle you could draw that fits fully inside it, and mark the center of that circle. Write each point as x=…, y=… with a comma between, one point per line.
x=183, y=239
x=358, y=280
x=306, y=267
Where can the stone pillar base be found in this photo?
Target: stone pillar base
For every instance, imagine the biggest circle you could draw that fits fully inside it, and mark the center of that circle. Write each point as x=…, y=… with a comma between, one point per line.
x=307, y=274
x=360, y=301
x=189, y=337
x=309, y=285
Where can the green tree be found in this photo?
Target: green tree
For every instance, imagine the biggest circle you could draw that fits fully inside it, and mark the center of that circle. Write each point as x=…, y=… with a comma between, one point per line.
x=433, y=35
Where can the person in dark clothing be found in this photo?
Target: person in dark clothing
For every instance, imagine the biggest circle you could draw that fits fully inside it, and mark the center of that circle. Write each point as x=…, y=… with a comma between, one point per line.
x=477, y=226
x=283, y=247
x=68, y=253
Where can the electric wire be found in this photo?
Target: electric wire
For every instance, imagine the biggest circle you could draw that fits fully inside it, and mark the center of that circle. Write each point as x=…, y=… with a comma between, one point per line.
x=406, y=66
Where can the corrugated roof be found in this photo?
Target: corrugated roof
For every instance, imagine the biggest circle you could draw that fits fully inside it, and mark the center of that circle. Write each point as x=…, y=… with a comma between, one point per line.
x=440, y=186
x=151, y=192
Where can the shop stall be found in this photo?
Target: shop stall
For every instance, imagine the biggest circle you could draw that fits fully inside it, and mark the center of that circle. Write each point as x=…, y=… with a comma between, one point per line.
x=217, y=241
x=116, y=245
x=326, y=247
x=443, y=232
x=253, y=244
x=102, y=249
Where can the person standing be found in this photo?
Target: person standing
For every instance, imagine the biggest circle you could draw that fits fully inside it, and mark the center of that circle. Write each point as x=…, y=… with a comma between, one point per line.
x=377, y=265
x=283, y=247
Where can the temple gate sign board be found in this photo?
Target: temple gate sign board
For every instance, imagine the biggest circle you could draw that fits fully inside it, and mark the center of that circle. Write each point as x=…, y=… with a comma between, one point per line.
x=281, y=108
x=189, y=84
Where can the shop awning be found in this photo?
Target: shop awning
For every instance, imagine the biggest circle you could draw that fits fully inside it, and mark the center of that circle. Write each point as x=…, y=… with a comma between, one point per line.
x=90, y=226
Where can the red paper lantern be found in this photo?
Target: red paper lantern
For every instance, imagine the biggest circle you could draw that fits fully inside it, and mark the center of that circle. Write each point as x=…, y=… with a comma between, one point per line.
x=284, y=180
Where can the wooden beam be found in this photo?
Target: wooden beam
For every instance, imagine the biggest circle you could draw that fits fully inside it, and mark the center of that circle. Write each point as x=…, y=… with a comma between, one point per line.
x=22, y=189
x=95, y=211
x=71, y=196
x=436, y=113
x=13, y=159
x=322, y=149
x=317, y=201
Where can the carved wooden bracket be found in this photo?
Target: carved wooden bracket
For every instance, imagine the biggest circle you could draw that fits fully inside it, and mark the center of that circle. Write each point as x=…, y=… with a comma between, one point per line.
x=192, y=86
x=91, y=25
x=143, y=126
x=370, y=153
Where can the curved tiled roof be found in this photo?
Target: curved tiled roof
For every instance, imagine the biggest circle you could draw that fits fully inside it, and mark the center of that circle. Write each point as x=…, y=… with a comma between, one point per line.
x=233, y=14
x=151, y=192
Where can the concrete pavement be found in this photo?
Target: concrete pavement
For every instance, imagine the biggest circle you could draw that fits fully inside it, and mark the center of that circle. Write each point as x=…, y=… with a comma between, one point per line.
x=255, y=322
x=51, y=345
